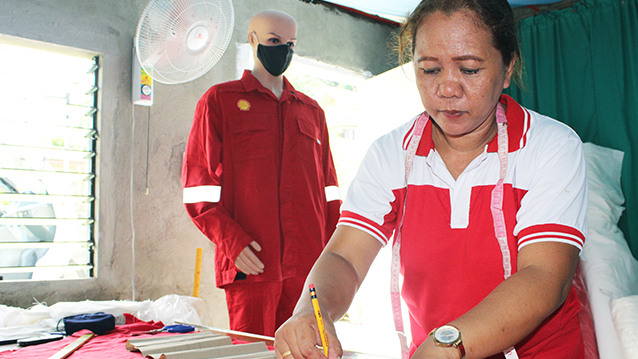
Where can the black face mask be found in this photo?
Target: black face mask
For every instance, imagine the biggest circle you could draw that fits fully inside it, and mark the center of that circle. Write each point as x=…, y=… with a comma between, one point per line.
x=275, y=59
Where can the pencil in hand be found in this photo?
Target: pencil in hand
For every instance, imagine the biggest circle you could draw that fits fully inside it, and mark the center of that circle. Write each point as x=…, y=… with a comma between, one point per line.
x=322, y=329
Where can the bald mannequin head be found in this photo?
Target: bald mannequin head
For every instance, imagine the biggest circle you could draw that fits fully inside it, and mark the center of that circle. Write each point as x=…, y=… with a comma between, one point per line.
x=270, y=23
x=270, y=28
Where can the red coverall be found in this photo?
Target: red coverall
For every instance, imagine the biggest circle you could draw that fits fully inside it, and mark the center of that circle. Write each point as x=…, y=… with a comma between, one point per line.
x=260, y=168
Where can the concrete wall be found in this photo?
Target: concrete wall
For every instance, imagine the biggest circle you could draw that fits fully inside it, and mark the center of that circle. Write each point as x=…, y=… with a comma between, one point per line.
x=165, y=238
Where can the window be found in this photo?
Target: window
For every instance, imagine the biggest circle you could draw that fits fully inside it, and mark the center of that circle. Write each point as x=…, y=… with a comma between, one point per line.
x=337, y=92
x=367, y=326
x=48, y=112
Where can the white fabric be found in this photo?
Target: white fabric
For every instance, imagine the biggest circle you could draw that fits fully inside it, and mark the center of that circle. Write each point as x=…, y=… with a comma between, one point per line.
x=202, y=194
x=624, y=313
x=609, y=267
x=41, y=318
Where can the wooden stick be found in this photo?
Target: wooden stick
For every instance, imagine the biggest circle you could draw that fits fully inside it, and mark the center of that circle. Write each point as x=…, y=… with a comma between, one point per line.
x=247, y=337
x=70, y=348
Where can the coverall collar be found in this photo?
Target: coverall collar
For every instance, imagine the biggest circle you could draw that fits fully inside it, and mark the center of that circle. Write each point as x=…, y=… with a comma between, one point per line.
x=251, y=83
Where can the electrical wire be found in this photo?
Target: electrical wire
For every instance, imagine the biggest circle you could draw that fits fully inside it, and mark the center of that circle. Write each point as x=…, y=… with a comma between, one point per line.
x=131, y=205
x=148, y=139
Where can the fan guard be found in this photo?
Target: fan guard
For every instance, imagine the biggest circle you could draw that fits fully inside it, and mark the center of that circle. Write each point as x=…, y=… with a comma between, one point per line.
x=180, y=40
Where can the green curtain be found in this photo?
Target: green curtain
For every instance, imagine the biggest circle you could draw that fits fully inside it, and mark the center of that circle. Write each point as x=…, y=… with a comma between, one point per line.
x=581, y=68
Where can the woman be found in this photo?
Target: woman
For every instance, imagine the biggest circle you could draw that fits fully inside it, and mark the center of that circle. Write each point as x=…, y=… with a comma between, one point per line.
x=490, y=221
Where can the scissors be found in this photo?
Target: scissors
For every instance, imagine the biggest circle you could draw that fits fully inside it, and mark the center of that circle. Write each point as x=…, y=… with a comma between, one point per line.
x=177, y=328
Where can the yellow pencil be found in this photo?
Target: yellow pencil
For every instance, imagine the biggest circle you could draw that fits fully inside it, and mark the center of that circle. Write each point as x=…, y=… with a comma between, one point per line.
x=322, y=329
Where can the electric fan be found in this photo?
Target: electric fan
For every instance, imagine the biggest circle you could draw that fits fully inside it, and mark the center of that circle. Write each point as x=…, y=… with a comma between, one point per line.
x=180, y=40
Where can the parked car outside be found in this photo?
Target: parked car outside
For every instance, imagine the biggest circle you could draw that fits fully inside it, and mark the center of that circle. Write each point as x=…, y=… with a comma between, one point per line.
x=23, y=257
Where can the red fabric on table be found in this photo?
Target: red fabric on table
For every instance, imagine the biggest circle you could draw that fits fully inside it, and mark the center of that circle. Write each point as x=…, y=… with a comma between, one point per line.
x=111, y=344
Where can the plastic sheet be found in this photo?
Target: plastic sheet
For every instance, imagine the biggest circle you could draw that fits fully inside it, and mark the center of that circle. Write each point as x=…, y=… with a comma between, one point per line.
x=167, y=309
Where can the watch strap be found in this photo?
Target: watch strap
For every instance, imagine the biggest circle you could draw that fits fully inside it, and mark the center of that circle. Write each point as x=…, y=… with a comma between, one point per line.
x=461, y=349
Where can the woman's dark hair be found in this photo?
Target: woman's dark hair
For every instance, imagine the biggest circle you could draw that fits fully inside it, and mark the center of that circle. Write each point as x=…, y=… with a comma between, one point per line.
x=494, y=15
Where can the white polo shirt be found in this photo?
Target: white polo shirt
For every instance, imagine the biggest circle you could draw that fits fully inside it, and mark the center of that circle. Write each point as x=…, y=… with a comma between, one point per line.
x=450, y=258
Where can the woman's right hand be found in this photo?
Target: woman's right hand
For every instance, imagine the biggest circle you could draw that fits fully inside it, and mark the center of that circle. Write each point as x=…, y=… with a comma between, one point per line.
x=299, y=337
x=336, y=275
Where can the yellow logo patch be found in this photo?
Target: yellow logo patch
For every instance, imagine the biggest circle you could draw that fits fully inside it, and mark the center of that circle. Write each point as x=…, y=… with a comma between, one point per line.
x=243, y=105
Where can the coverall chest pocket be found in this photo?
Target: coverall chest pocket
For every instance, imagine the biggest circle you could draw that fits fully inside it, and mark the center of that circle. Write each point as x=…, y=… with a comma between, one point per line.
x=250, y=138
x=308, y=142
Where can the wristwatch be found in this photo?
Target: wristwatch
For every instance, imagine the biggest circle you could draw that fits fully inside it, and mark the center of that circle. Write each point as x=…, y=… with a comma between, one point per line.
x=448, y=336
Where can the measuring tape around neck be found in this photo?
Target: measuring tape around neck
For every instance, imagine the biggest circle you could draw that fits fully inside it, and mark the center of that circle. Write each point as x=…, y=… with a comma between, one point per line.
x=497, y=215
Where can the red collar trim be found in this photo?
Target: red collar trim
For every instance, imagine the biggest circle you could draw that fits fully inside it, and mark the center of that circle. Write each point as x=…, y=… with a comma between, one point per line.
x=518, y=122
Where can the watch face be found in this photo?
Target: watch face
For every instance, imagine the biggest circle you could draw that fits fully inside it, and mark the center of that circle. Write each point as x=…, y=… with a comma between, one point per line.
x=446, y=334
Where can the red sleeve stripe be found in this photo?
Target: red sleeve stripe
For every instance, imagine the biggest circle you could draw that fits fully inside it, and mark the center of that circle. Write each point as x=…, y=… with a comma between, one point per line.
x=550, y=239
x=562, y=237
x=552, y=228
x=364, y=226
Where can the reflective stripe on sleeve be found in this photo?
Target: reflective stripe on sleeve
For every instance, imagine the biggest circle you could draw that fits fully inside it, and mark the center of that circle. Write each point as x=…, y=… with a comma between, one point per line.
x=333, y=193
x=202, y=194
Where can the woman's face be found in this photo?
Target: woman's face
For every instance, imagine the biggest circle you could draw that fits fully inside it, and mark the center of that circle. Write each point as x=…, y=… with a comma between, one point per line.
x=459, y=74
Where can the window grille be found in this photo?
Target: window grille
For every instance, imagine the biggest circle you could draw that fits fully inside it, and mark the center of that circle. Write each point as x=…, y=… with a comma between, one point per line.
x=48, y=113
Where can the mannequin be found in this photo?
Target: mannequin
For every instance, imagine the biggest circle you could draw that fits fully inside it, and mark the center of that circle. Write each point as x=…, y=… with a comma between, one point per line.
x=259, y=181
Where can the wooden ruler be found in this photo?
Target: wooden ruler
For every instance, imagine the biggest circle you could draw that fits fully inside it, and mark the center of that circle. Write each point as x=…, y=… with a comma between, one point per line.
x=70, y=348
x=198, y=272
